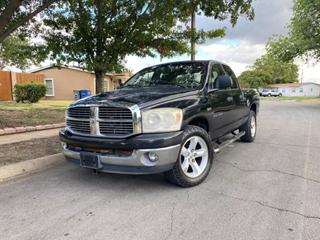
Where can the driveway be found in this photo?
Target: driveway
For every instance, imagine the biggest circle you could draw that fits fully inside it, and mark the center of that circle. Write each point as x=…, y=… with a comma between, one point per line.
x=266, y=190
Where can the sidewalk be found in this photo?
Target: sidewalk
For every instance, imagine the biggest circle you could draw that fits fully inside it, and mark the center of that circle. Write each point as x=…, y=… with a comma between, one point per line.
x=19, y=137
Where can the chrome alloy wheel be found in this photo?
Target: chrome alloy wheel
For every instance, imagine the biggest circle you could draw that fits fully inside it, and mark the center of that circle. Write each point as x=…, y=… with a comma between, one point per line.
x=253, y=126
x=194, y=157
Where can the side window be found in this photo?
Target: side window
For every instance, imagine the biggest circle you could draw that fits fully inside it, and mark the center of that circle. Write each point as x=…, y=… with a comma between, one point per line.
x=216, y=70
x=232, y=75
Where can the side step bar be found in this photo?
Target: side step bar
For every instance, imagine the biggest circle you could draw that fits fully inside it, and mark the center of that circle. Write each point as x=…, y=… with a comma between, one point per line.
x=228, y=142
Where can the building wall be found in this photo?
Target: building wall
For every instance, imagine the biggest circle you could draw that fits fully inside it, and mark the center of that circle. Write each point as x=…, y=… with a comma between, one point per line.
x=309, y=90
x=66, y=80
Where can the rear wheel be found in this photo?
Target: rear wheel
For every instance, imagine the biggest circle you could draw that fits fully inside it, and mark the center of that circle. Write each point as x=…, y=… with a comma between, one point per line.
x=250, y=128
x=195, y=158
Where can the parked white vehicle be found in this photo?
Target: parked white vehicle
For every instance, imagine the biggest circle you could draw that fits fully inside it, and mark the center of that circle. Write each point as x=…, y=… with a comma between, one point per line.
x=271, y=93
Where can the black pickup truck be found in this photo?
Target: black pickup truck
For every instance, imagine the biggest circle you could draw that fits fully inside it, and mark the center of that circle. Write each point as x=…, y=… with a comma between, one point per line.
x=169, y=118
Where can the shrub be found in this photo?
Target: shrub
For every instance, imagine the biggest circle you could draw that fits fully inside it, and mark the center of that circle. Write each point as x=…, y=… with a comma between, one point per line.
x=29, y=92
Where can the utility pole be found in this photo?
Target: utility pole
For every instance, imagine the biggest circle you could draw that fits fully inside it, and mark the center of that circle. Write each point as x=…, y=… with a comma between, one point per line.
x=193, y=29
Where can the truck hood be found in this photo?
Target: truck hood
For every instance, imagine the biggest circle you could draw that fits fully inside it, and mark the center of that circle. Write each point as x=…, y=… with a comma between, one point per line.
x=143, y=97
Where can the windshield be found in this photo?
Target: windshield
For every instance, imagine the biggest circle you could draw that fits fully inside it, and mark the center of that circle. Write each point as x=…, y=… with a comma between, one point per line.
x=185, y=75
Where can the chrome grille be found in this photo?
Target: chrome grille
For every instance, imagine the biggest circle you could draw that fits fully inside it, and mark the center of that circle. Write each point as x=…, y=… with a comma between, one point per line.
x=117, y=128
x=114, y=113
x=79, y=112
x=115, y=121
x=79, y=126
x=101, y=121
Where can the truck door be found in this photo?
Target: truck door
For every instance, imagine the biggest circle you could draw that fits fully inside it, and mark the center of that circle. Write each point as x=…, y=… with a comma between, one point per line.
x=220, y=104
x=240, y=110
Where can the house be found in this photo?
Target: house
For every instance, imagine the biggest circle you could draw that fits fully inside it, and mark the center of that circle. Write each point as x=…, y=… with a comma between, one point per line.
x=62, y=81
x=308, y=89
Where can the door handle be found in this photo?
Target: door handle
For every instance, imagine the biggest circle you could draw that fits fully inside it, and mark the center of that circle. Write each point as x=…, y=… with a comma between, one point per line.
x=229, y=99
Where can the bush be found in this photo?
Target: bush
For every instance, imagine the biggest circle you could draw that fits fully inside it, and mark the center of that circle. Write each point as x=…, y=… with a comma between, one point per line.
x=29, y=92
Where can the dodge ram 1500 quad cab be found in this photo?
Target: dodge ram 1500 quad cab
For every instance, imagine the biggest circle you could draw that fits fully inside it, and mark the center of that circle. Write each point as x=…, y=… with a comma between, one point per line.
x=168, y=118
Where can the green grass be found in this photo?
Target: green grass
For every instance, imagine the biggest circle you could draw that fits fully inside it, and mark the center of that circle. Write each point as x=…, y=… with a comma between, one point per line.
x=297, y=99
x=14, y=114
x=44, y=104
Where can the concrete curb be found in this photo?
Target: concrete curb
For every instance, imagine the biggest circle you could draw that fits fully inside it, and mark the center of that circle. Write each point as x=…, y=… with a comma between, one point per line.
x=6, y=131
x=8, y=172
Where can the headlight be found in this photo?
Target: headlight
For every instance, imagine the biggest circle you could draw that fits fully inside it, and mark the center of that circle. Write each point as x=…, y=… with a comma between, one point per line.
x=161, y=120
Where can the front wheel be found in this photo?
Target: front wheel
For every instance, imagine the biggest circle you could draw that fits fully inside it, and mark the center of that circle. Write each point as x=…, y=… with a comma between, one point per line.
x=250, y=128
x=195, y=158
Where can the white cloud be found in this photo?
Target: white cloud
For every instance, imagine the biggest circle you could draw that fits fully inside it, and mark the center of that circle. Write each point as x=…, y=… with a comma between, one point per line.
x=243, y=52
x=309, y=71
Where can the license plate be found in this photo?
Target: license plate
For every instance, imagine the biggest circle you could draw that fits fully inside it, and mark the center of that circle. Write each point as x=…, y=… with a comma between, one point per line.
x=89, y=160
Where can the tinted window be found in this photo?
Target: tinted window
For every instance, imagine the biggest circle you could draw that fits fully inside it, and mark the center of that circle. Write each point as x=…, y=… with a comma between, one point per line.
x=232, y=75
x=216, y=71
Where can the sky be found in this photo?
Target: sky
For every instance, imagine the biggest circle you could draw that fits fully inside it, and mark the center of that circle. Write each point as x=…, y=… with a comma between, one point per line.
x=244, y=43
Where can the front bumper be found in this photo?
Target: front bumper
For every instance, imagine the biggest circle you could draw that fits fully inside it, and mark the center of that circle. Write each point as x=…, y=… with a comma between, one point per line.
x=166, y=146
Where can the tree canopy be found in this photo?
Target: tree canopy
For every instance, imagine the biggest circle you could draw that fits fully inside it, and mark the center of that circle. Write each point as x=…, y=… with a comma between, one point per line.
x=15, y=13
x=17, y=51
x=100, y=34
x=304, y=33
x=269, y=70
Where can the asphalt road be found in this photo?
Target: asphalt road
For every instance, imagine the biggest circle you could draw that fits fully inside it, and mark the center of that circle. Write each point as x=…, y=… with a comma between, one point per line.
x=269, y=189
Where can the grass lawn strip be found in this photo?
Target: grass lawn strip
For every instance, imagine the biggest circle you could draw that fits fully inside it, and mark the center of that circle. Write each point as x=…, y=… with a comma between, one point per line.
x=14, y=114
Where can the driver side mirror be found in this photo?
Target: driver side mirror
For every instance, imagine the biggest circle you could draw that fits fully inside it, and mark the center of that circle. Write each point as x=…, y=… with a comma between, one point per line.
x=223, y=82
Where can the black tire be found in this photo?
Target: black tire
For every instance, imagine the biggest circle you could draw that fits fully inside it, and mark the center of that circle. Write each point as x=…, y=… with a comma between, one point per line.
x=176, y=174
x=249, y=136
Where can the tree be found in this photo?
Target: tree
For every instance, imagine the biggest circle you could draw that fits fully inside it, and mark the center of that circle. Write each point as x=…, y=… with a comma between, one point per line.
x=253, y=79
x=100, y=34
x=15, y=13
x=269, y=70
x=304, y=33
x=216, y=9
x=18, y=52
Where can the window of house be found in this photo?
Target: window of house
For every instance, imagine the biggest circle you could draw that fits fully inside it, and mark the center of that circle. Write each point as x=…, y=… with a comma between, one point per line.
x=293, y=90
x=50, y=87
x=283, y=90
x=301, y=90
x=311, y=89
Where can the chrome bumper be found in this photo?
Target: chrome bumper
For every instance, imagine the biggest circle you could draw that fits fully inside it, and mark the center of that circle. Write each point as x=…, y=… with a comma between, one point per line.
x=136, y=163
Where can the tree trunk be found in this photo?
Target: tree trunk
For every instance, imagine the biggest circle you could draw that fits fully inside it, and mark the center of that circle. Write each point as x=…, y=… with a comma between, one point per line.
x=193, y=29
x=99, y=81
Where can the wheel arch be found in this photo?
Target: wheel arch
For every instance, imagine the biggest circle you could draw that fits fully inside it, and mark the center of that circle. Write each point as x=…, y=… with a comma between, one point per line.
x=200, y=121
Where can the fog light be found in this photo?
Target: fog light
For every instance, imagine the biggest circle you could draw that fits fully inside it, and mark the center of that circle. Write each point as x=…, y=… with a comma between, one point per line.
x=153, y=157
